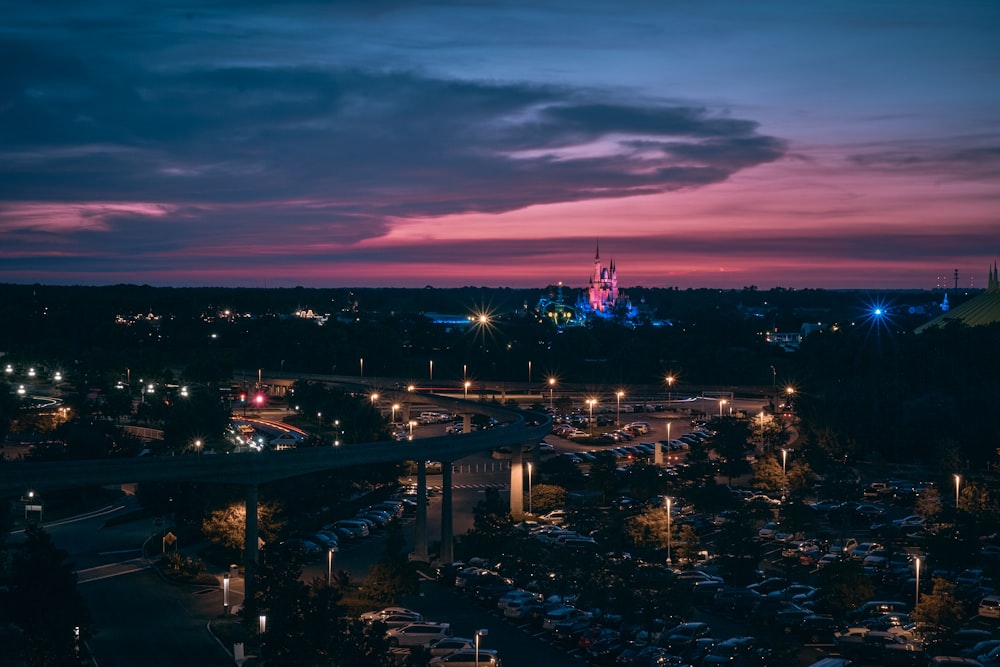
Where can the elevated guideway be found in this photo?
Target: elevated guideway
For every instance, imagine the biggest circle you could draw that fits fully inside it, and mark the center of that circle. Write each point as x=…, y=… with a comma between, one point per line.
x=250, y=469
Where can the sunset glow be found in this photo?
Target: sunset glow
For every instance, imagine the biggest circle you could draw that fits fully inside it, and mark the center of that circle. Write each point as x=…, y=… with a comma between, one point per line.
x=774, y=143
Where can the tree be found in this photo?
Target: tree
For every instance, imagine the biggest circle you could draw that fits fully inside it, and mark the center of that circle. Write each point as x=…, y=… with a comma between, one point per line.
x=940, y=607
x=227, y=526
x=730, y=443
x=49, y=610
x=688, y=544
x=928, y=505
x=650, y=528
x=393, y=576
x=547, y=497
x=843, y=586
x=603, y=475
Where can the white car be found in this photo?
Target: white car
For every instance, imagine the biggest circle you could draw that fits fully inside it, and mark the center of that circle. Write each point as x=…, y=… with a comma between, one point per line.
x=447, y=645
x=418, y=634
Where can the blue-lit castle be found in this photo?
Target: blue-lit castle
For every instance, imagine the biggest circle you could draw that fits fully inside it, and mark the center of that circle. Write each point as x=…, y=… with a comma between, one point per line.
x=601, y=300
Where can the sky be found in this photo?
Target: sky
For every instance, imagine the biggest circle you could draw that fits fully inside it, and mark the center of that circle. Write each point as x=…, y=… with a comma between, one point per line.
x=365, y=143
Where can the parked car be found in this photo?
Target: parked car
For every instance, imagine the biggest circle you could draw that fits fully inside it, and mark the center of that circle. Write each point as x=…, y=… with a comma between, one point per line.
x=418, y=634
x=468, y=657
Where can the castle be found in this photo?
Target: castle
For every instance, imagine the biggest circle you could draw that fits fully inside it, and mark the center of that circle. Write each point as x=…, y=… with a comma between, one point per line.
x=602, y=299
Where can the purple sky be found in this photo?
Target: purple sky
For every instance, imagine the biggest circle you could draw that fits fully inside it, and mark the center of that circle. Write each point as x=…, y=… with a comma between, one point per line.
x=369, y=143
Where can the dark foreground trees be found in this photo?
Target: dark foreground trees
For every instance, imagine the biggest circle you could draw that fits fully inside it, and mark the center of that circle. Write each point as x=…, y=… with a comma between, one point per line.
x=43, y=603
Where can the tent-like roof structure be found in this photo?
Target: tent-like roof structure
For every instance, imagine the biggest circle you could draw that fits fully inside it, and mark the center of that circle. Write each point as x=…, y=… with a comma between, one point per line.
x=979, y=311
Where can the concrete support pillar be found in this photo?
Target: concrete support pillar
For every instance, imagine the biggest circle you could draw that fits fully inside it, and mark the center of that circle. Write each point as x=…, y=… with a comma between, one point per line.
x=658, y=452
x=517, y=482
x=447, y=553
x=250, y=546
x=420, y=530
x=466, y=422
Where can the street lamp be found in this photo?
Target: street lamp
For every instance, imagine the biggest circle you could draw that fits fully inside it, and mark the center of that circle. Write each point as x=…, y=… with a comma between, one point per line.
x=958, y=482
x=916, y=563
x=197, y=446
x=590, y=421
x=395, y=406
x=669, y=532
x=482, y=632
x=618, y=414
x=552, y=385
x=329, y=565
x=529, y=488
x=784, y=474
x=722, y=402
x=670, y=385
x=374, y=398
x=225, y=594
x=467, y=385
x=262, y=623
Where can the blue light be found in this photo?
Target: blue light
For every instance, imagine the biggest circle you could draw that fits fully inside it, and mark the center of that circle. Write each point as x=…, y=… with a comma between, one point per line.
x=878, y=312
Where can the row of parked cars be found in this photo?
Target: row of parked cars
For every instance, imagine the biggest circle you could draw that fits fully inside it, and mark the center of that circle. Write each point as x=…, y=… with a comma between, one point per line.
x=417, y=640
x=601, y=638
x=329, y=538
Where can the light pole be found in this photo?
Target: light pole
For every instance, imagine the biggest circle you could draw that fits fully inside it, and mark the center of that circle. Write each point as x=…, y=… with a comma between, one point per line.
x=467, y=385
x=669, y=533
x=225, y=594
x=552, y=386
x=784, y=473
x=362, y=362
x=482, y=632
x=590, y=421
x=374, y=398
x=197, y=447
x=412, y=423
x=529, y=372
x=329, y=565
x=529, y=488
x=958, y=482
x=916, y=563
x=430, y=369
x=670, y=386
x=722, y=402
x=789, y=392
x=395, y=406
x=618, y=414
x=262, y=623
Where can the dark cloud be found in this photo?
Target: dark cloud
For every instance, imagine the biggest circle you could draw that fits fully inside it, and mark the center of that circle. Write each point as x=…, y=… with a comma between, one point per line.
x=239, y=147
x=976, y=158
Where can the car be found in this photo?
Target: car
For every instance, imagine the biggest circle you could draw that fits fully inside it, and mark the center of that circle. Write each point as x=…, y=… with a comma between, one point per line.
x=481, y=657
x=560, y=615
x=447, y=645
x=768, y=530
x=989, y=607
x=418, y=634
x=382, y=614
x=741, y=651
x=912, y=521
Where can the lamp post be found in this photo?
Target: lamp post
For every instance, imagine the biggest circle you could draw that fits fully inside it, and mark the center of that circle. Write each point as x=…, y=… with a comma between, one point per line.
x=669, y=533
x=430, y=369
x=362, y=363
x=482, y=632
x=784, y=473
x=225, y=594
x=329, y=565
x=529, y=372
x=916, y=563
x=958, y=482
x=374, y=398
x=262, y=623
x=395, y=406
x=722, y=402
x=197, y=447
x=467, y=385
x=670, y=386
x=590, y=421
x=618, y=414
x=529, y=488
x=411, y=424
x=552, y=386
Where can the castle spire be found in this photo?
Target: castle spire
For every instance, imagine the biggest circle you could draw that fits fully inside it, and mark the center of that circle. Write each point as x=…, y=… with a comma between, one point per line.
x=597, y=251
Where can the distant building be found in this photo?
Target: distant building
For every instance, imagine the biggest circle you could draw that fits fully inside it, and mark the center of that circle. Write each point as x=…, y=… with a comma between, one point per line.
x=602, y=298
x=979, y=311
